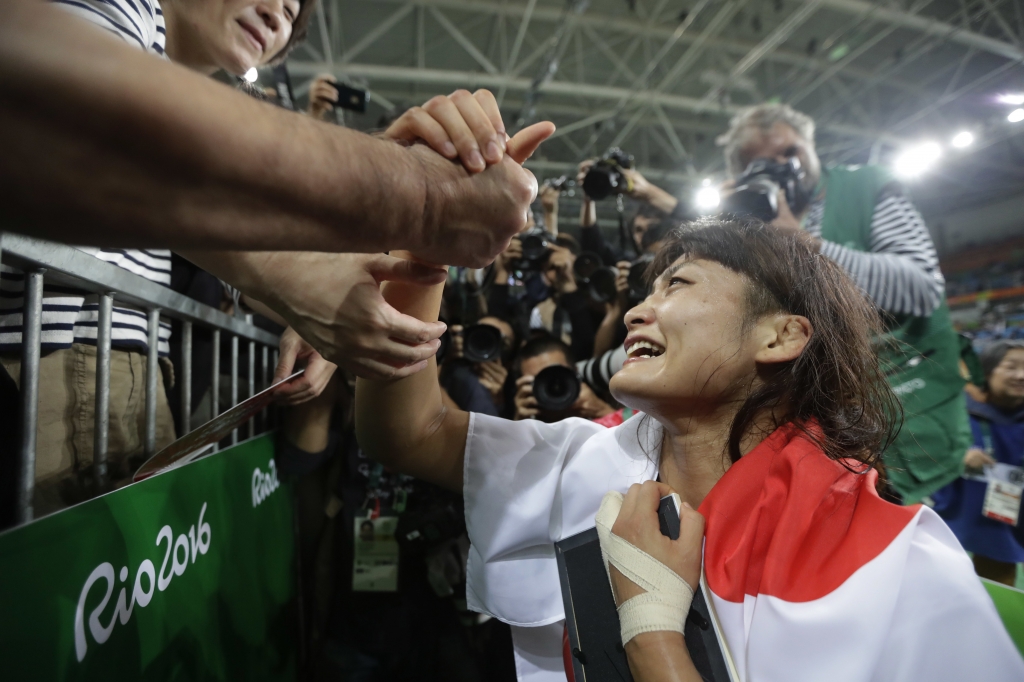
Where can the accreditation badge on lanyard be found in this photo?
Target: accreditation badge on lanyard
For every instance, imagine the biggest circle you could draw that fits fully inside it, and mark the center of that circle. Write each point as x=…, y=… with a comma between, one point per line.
x=375, y=554
x=1004, y=485
x=1003, y=493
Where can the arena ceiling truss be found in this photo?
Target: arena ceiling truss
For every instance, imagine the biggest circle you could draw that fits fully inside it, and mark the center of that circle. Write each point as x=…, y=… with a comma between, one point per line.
x=660, y=78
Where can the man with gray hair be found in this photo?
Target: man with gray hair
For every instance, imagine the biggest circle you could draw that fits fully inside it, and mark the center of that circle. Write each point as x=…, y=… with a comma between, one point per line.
x=866, y=223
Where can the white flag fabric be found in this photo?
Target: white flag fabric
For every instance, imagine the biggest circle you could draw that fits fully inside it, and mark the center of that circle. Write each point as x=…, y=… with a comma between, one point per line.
x=813, y=576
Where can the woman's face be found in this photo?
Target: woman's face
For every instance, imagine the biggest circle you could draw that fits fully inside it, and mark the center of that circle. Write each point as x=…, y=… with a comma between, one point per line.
x=1006, y=382
x=234, y=35
x=686, y=345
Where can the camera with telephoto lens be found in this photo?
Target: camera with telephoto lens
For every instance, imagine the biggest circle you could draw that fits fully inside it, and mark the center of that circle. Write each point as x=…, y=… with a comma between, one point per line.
x=757, y=190
x=481, y=343
x=598, y=278
x=536, y=247
x=606, y=178
x=556, y=388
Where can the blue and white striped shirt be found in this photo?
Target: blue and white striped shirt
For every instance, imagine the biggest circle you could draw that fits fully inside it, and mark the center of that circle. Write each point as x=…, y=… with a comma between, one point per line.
x=68, y=315
x=900, y=273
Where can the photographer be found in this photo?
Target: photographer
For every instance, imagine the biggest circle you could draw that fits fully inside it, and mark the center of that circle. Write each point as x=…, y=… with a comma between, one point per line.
x=474, y=377
x=556, y=401
x=655, y=206
x=865, y=223
x=567, y=312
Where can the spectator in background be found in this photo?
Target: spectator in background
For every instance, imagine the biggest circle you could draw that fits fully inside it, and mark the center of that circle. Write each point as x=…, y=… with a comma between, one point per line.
x=535, y=356
x=864, y=221
x=997, y=428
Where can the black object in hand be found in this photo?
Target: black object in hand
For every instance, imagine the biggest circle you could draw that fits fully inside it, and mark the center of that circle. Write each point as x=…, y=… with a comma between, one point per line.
x=606, y=178
x=351, y=98
x=757, y=190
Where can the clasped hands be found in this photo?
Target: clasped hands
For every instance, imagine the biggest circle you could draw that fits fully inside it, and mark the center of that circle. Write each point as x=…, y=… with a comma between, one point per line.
x=478, y=195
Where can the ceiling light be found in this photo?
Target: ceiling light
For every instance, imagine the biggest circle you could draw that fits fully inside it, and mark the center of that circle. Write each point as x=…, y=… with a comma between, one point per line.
x=708, y=198
x=1016, y=99
x=251, y=75
x=962, y=139
x=1016, y=116
x=917, y=160
x=705, y=182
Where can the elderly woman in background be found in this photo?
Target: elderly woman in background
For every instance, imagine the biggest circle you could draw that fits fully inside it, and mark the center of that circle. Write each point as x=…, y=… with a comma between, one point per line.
x=997, y=426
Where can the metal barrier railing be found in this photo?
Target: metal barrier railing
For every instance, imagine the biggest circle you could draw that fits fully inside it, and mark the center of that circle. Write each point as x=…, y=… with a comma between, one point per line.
x=63, y=265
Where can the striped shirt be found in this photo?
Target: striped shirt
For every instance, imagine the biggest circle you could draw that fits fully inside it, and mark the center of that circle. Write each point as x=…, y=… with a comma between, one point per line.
x=70, y=315
x=900, y=273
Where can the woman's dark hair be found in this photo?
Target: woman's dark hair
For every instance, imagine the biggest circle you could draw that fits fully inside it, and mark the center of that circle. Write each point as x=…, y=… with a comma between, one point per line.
x=300, y=27
x=835, y=391
x=994, y=354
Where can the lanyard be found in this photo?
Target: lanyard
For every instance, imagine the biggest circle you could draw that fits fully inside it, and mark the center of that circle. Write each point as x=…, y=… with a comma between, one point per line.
x=986, y=436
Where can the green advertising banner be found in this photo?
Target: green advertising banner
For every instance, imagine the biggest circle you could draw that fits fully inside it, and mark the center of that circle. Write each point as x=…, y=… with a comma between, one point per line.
x=188, y=575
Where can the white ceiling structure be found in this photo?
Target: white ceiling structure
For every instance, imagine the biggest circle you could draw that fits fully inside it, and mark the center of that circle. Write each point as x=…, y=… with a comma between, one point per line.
x=660, y=78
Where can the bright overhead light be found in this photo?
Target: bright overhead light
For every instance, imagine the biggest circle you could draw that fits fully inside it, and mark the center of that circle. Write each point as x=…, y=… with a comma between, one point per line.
x=916, y=160
x=705, y=182
x=1016, y=99
x=962, y=139
x=251, y=75
x=708, y=198
x=1016, y=116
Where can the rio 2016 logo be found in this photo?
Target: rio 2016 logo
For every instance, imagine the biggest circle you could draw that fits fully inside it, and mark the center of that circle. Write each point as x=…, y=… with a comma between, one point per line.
x=178, y=555
x=264, y=483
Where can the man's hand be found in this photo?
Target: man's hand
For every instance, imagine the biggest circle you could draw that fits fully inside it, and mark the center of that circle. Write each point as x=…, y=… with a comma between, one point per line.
x=589, y=406
x=470, y=218
x=526, y=404
x=311, y=384
x=977, y=459
x=461, y=125
x=549, y=198
x=492, y=375
x=333, y=301
x=322, y=96
x=637, y=524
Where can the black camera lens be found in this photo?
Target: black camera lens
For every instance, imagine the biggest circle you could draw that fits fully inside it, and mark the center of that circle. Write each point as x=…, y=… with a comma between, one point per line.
x=585, y=265
x=556, y=388
x=535, y=249
x=481, y=343
x=757, y=197
x=605, y=177
x=601, y=284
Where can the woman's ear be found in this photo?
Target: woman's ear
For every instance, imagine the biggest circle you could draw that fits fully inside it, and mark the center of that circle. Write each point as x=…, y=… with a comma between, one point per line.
x=783, y=338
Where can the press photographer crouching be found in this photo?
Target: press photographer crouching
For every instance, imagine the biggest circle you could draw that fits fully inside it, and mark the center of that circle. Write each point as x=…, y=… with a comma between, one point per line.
x=863, y=220
x=549, y=388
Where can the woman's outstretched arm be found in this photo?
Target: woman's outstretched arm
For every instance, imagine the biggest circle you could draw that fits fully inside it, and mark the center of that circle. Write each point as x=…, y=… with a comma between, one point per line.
x=404, y=423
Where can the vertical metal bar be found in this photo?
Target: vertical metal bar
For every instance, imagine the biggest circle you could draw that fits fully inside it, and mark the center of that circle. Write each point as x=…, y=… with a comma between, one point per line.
x=186, y=377
x=234, y=381
x=101, y=427
x=215, y=380
x=152, y=367
x=30, y=356
x=265, y=382
x=276, y=411
x=252, y=378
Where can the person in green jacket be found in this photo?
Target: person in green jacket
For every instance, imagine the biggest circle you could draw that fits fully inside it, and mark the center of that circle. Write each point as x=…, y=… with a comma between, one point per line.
x=867, y=224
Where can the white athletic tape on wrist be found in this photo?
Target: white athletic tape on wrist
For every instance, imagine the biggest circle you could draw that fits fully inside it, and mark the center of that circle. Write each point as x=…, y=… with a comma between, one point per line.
x=667, y=601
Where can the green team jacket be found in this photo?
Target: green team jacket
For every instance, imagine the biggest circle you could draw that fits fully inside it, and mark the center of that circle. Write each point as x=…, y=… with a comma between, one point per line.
x=919, y=355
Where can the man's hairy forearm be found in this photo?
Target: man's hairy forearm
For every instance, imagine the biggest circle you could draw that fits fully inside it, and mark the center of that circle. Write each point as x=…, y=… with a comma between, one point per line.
x=108, y=146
